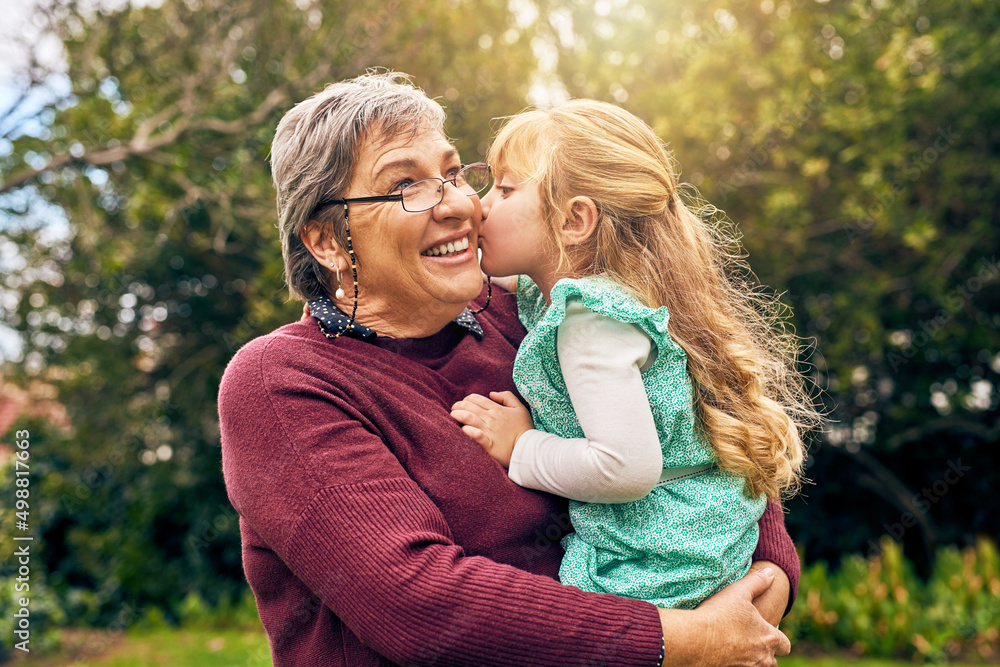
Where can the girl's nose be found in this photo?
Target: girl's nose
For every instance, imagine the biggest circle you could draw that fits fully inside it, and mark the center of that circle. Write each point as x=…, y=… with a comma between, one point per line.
x=487, y=201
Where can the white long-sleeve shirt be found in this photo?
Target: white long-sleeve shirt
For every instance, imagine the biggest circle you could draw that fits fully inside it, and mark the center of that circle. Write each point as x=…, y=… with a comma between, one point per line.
x=620, y=459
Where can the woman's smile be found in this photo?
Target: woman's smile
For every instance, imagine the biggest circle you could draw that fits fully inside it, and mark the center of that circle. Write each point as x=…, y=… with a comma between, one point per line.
x=449, y=248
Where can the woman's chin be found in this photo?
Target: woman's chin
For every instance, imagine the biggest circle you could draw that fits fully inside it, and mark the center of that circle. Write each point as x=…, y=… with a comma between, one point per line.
x=463, y=286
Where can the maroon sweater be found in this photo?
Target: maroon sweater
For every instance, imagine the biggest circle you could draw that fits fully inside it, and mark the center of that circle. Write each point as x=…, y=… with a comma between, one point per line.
x=376, y=533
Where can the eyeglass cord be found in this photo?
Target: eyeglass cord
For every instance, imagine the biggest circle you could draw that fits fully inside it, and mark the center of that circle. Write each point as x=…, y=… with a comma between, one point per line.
x=354, y=275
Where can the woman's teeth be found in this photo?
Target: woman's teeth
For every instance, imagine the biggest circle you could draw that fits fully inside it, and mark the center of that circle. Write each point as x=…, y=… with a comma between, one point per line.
x=446, y=249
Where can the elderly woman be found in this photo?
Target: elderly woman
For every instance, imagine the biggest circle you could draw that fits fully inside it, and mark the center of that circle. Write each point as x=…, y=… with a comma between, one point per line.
x=374, y=531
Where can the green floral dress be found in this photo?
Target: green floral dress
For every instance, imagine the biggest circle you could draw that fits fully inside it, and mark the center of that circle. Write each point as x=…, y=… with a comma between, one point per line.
x=684, y=540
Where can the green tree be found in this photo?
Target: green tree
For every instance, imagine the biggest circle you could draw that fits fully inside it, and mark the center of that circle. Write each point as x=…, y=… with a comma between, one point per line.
x=854, y=143
x=856, y=146
x=154, y=143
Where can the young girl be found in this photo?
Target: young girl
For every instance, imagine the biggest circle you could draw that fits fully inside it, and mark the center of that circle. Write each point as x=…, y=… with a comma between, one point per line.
x=665, y=404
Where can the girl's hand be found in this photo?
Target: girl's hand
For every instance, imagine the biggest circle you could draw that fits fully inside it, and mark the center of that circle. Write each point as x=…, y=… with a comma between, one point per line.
x=495, y=422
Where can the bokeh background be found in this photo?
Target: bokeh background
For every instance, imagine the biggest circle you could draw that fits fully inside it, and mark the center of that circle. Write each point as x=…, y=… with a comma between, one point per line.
x=855, y=144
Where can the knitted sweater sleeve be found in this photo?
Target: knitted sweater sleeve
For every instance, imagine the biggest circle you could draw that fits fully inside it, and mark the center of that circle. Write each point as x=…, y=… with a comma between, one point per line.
x=775, y=545
x=317, y=483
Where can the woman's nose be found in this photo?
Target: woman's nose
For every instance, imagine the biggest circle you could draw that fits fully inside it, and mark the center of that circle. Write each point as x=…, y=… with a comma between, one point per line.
x=454, y=204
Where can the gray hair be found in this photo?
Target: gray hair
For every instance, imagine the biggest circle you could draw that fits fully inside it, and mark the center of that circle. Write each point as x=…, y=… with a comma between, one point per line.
x=315, y=149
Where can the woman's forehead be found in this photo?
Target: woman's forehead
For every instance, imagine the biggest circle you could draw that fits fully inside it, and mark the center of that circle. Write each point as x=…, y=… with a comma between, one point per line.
x=425, y=147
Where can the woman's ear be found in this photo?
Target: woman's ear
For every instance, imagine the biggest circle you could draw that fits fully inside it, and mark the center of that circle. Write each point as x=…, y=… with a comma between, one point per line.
x=581, y=221
x=322, y=246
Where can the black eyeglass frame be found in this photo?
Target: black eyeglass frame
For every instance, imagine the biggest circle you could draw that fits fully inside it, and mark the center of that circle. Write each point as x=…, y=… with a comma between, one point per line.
x=399, y=195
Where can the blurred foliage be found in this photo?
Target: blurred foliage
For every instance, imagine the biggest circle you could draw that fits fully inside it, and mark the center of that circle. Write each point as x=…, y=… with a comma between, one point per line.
x=172, y=258
x=854, y=143
x=857, y=146
x=45, y=609
x=878, y=607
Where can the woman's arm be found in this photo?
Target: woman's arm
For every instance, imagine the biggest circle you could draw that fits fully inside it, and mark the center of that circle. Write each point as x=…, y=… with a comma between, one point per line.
x=773, y=603
x=311, y=475
x=776, y=546
x=619, y=459
x=725, y=628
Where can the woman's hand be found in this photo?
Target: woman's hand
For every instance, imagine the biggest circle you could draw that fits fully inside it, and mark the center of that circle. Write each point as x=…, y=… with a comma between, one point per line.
x=495, y=422
x=725, y=629
x=773, y=602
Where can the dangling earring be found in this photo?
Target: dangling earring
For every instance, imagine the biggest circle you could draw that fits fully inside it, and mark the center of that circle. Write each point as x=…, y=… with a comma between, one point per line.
x=489, y=296
x=339, y=294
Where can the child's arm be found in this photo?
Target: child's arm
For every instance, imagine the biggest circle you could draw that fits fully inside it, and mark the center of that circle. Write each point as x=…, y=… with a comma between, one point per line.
x=496, y=422
x=620, y=459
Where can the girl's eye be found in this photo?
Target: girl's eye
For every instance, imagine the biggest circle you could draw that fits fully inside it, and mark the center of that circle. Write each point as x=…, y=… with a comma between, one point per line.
x=505, y=190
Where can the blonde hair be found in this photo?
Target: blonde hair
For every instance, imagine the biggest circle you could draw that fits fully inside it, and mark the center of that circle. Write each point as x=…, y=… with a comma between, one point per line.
x=751, y=400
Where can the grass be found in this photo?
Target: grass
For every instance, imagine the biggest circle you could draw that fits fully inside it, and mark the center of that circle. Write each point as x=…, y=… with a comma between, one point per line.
x=166, y=647
x=239, y=647
x=841, y=662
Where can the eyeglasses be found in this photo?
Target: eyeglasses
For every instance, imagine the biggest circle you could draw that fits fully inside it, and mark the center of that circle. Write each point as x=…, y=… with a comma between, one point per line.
x=427, y=193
